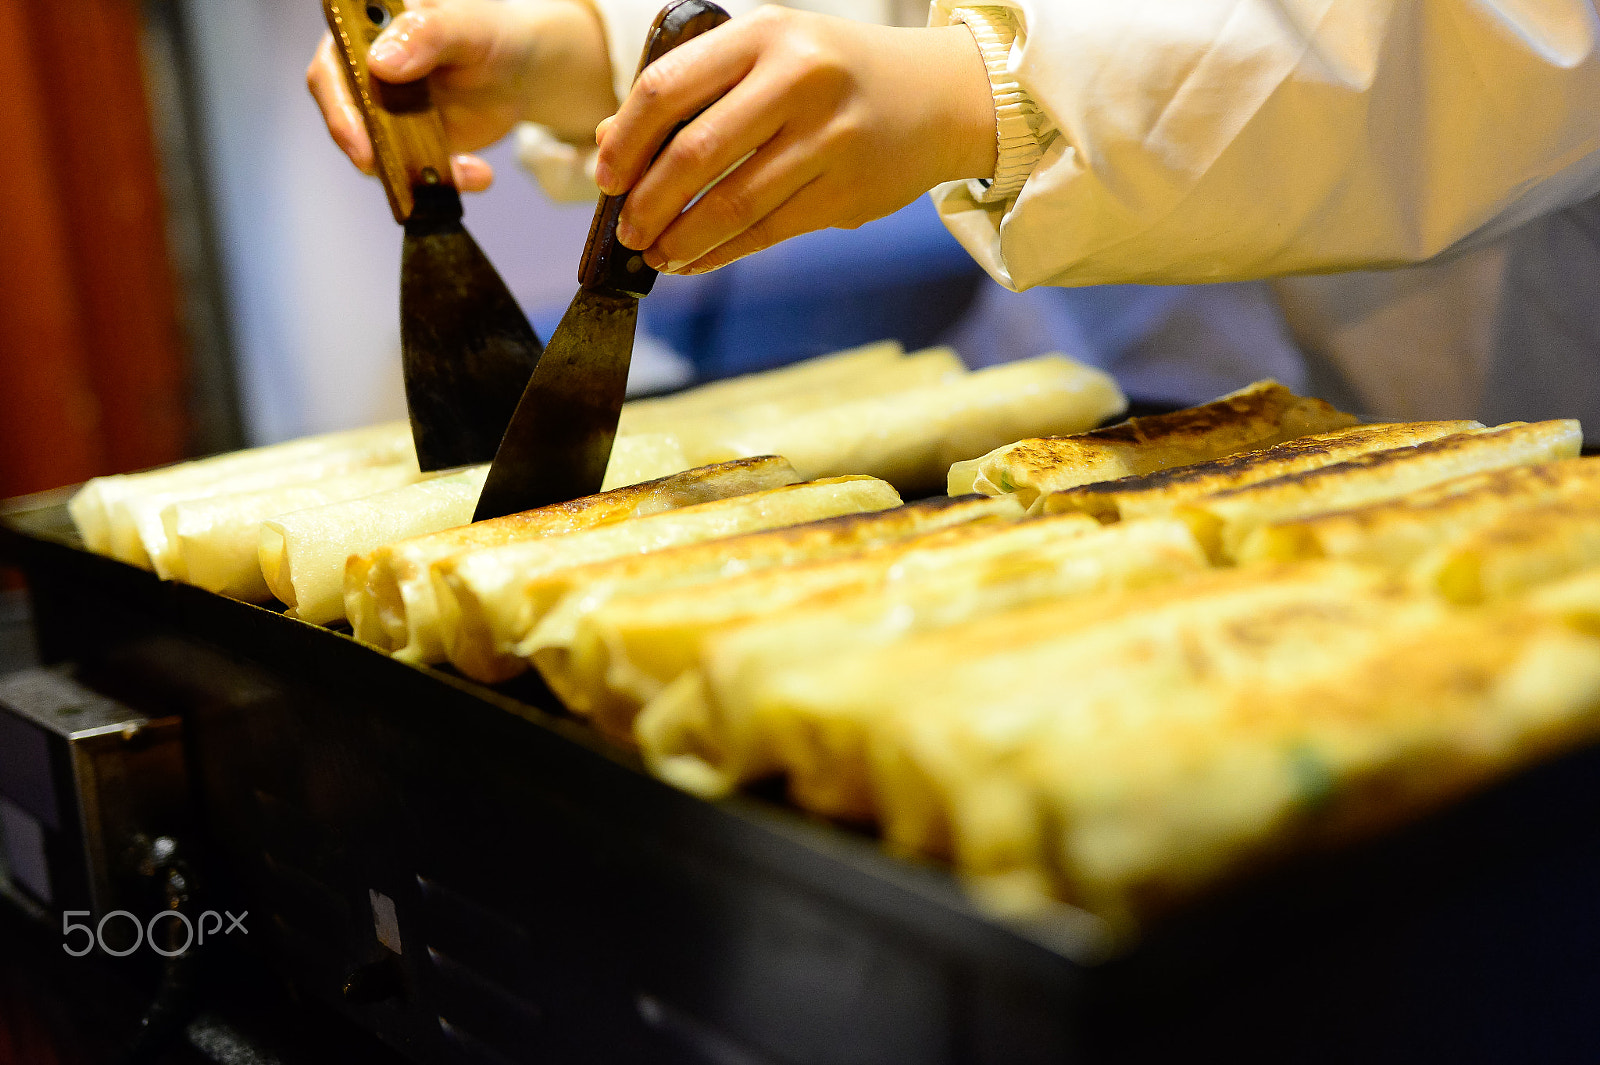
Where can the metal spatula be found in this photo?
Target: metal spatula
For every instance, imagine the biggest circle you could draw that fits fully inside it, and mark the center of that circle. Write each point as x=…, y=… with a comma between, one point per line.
x=559, y=441
x=466, y=348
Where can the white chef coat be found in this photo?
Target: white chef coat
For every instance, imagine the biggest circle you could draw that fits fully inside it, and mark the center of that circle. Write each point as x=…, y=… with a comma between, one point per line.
x=1207, y=140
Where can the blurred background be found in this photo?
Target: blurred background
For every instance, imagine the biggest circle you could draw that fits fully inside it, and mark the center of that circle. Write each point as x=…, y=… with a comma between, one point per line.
x=189, y=265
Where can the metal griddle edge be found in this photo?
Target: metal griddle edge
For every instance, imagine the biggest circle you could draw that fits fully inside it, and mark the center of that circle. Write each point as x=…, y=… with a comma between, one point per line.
x=530, y=893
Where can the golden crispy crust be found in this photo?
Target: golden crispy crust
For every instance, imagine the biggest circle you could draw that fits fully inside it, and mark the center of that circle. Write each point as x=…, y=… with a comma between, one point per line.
x=1258, y=416
x=1148, y=493
x=1361, y=466
x=1224, y=520
x=1259, y=411
x=1261, y=401
x=1393, y=533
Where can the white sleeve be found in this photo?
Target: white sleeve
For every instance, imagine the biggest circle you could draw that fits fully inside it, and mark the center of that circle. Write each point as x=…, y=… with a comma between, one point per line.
x=1212, y=140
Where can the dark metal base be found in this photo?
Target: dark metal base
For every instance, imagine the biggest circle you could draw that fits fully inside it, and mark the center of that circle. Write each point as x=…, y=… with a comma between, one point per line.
x=474, y=877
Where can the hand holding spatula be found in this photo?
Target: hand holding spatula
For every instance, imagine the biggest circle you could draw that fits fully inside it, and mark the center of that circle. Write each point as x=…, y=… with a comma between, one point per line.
x=559, y=441
x=467, y=350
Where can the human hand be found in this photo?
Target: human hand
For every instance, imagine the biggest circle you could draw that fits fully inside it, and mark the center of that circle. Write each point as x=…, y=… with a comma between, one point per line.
x=491, y=64
x=842, y=122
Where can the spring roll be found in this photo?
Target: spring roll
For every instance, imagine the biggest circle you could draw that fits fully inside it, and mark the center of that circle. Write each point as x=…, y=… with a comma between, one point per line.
x=214, y=542
x=609, y=646
x=639, y=457
x=484, y=608
x=567, y=597
x=668, y=413
x=1396, y=532
x=910, y=438
x=1518, y=550
x=712, y=727
x=389, y=595
x=1160, y=804
x=1257, y=416
x=303, y=554
x=92, y=507
x=1224, y=521
x=1155, y=494
x=704, y=433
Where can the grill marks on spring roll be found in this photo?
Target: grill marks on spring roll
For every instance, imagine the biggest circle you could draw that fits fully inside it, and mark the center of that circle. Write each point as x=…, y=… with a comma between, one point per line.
x=619, y=649
x=704, y=571
x=1256, y=416
x=1153, y=494
x=388, y=591
x=483, y=596
x=1395, y=533
x=1224, y=521
x=704, y=726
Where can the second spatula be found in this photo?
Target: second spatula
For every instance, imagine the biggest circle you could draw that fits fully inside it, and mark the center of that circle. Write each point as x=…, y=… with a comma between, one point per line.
x=467, y=349
x=559, y=441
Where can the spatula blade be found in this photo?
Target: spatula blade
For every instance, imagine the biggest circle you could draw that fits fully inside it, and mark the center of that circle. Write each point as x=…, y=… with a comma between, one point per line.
x=559, y=440
x=467, y=350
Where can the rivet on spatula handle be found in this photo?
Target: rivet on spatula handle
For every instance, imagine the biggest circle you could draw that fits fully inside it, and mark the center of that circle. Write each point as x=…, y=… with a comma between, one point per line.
x=407, y=135
x=608, y=265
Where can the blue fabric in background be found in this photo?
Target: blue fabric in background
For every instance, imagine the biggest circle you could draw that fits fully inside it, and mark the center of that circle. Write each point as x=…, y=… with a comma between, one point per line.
x=904, y=277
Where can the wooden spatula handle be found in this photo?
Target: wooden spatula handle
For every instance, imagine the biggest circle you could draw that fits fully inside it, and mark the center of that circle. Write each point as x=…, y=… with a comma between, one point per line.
x=407, y=134
x=606, y=264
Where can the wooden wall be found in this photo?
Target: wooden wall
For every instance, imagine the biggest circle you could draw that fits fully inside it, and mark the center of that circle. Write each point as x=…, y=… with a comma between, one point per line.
x=91, y=357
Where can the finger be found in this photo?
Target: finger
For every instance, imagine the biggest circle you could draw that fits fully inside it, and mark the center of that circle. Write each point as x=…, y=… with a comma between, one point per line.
x=758, y=187
x=803, y=212
x=417, y=43
x=730, y=129
x=471, y=173
x=325, y=78
x=667, y=92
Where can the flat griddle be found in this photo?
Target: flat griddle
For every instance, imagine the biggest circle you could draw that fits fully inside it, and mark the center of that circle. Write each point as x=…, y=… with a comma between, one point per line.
x=553, y=902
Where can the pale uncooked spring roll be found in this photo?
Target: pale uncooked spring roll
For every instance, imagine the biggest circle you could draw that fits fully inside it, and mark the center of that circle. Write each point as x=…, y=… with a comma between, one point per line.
x=910, y=438
x=667, y=413
x=704, y=433
x=303, y=554
x=389, y=595
x=706, y=727
x=639, y=457
x=91, y=507
x=485, y=612
x=215, y=542
x=139, y=538
x=1256, y=416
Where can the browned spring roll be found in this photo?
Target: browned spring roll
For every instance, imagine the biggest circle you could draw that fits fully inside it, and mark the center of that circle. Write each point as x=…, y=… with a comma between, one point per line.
x=1257, y=416
x=389, y=597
